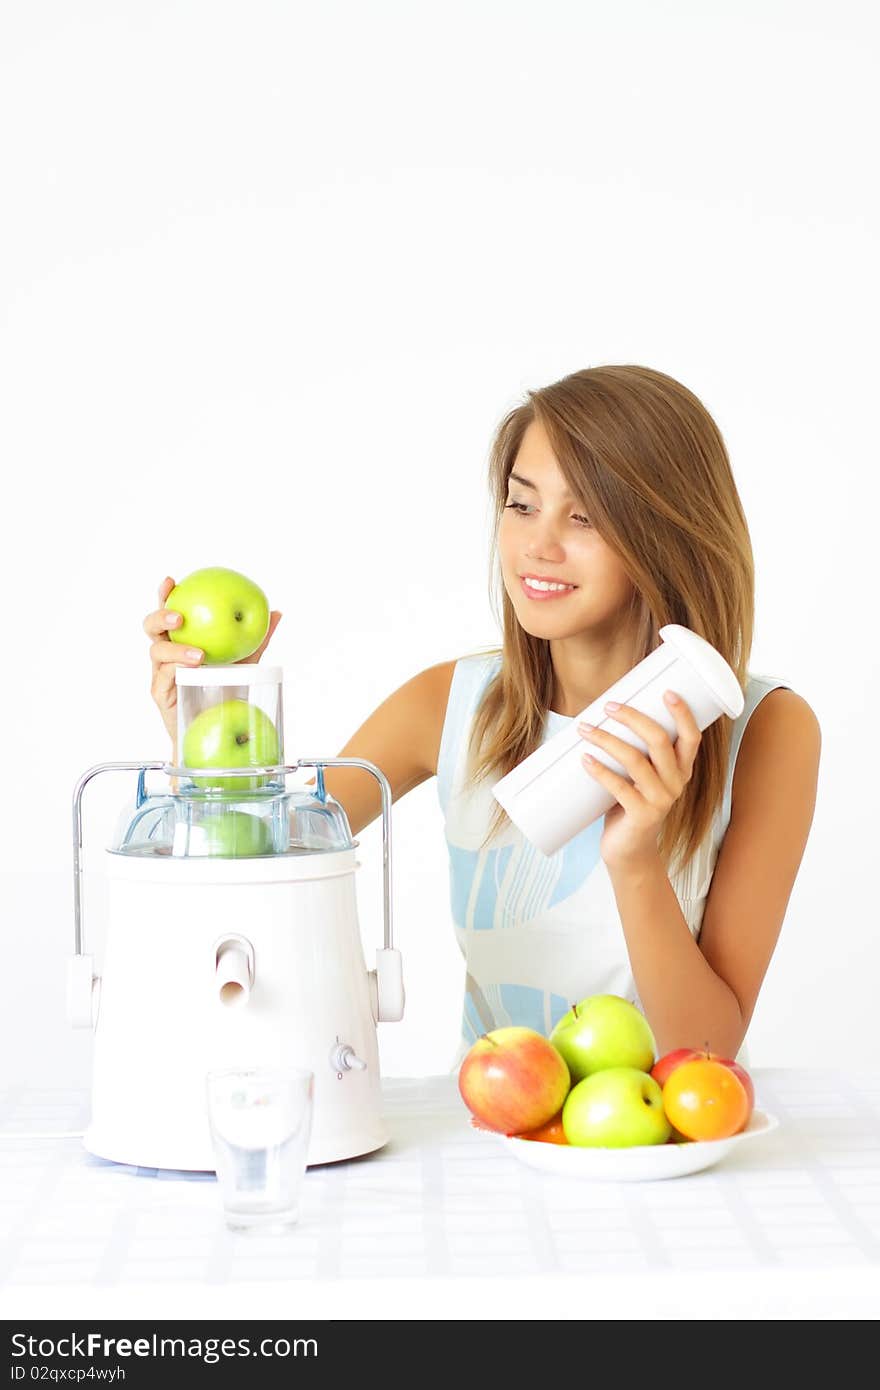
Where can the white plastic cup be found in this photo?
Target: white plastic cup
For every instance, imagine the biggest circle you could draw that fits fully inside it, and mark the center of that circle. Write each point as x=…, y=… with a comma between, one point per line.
x=550, y=795
x=230, y=716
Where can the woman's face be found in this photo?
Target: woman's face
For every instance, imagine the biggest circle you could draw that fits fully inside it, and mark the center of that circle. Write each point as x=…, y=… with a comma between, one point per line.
x=544, y=533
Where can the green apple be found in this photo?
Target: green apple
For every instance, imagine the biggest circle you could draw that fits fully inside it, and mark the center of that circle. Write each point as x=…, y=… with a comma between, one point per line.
x=615, y=1109
x=231, y=734
x=604, y=1030
x=224, y=613
x=235, y=835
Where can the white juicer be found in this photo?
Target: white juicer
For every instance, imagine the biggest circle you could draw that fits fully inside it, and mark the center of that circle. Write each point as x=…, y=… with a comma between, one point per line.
x=232, y=937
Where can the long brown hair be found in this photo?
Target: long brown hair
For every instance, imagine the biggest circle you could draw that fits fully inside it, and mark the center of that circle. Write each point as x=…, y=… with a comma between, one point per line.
x=647, y=462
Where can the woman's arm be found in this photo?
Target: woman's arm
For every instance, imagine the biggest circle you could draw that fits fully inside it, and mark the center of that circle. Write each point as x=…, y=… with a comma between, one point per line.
x=402, y=737
x=693, y=993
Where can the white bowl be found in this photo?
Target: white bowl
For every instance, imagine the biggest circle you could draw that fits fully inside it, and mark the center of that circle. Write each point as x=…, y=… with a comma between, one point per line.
x=641, y=1163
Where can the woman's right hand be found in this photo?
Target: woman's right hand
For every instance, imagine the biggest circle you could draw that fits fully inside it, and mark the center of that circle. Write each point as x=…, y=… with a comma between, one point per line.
x=166, y=655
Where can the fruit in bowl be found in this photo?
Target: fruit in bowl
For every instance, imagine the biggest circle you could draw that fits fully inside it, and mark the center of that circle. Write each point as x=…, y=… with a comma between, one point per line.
x=550, y=1133
x=601, y=1031
x=616, y=1108
x=704, y=1099
x=224, y=613
x=513, y=1080
x=667, y=1064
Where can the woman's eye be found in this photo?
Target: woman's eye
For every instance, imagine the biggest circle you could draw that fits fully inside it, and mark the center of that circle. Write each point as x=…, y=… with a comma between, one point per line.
x=523, y=508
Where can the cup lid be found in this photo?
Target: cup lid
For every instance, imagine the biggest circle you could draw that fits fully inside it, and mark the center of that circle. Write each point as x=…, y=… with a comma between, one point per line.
x=243, y=673
x=710, y=664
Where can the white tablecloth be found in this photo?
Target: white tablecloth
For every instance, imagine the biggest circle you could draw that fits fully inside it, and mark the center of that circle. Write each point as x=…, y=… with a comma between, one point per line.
x=442, y=1222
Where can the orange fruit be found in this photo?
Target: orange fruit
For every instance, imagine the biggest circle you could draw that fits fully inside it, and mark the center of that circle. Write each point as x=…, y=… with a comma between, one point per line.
x=704, y=1099
x=551, y=1132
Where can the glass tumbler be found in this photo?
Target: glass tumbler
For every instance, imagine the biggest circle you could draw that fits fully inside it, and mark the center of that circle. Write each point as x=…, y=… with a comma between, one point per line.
x=260, y=1120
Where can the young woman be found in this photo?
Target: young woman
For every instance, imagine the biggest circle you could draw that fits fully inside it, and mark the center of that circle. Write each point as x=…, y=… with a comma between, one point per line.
x=616, y=513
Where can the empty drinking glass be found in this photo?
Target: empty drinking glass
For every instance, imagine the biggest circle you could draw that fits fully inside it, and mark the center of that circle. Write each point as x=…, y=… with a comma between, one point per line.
x=260, y=1120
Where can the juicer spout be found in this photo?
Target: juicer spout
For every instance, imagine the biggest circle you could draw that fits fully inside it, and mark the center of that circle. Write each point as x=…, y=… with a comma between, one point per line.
x=234, y=970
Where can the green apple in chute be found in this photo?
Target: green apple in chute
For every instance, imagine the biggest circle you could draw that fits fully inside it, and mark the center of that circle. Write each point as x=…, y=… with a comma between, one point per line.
x=224, y=613
x=228, y=834
x=233, y=733
x=604, y=1030
x=617, y=1108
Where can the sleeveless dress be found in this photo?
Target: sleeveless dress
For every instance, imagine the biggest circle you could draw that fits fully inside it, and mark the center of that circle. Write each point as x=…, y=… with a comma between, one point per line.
x=538, y=932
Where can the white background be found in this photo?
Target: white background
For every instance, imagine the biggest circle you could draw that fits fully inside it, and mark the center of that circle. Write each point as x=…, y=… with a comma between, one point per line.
x=272, y=272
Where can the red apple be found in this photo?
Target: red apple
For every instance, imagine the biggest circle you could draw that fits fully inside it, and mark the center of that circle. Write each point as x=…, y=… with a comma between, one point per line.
x=513, y=1080
x=667, y=1064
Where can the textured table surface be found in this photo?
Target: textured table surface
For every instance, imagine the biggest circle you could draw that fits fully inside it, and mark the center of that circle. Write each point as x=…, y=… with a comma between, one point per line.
x=442, y=1202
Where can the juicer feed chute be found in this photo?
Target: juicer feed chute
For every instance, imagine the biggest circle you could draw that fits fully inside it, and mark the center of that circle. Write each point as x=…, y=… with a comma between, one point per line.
x=232, y=937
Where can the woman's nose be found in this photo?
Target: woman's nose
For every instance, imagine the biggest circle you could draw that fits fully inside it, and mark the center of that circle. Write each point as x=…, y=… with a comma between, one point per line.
x=544, y=541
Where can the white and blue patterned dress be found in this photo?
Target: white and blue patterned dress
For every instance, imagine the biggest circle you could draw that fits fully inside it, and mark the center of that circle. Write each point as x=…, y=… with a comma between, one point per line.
x=539, y=932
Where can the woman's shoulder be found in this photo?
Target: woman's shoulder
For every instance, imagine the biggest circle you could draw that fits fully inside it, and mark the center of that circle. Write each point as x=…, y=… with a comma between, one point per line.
x=775, y=709
x=469, y=674
x=462, y=673
x=459, y=687
x=485, y=658
x=781, y=737
x=776, y=728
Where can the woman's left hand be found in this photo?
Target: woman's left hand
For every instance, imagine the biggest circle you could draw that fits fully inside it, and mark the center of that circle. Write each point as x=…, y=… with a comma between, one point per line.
x=659, y=777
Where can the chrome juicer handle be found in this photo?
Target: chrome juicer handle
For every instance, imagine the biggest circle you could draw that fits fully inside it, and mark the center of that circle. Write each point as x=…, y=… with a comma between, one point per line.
x=386, y=981
x=385, y=789
x=77, y=835
x=82, y=984
x=171, y=770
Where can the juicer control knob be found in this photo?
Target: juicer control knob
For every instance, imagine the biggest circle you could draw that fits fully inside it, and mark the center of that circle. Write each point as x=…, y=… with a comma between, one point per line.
x=344, y=1058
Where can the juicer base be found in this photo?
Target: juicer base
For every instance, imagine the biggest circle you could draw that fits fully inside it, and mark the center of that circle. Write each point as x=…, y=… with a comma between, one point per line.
x=149, y=1155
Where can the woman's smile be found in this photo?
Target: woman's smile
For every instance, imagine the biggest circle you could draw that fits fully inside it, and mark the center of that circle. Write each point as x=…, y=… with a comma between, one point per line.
x=542, y=590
